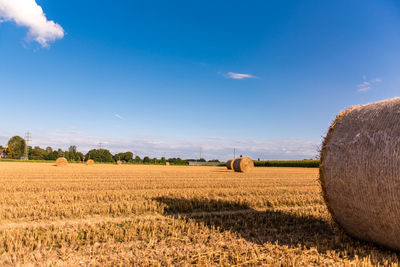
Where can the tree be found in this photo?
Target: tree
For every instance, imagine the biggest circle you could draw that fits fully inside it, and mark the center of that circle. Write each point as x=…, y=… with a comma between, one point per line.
x=53, y=155
x=72, y=149
x=73, y=155
x=79, y=156
x=50, y=154
x=163, y=160
x=60, y=153
x=100, y=155
x=137, y=159
x=146, y=159
x=177, y=161
x=16, y=147
x=49, y=150
x=37, y=153
x=127, y=156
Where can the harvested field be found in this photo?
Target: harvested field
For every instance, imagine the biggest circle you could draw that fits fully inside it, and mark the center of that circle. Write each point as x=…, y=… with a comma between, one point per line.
x=152, y=215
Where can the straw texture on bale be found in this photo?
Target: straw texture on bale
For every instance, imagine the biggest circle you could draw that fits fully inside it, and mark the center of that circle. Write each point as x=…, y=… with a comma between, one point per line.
x=119, y=162
x=61, y=162
x=90, y=162
x=243, y=164
x=229, y=164
x=360, y=172
x=167, y=163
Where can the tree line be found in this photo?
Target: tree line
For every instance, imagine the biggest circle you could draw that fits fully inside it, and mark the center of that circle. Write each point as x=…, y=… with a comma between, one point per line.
x=16, y=149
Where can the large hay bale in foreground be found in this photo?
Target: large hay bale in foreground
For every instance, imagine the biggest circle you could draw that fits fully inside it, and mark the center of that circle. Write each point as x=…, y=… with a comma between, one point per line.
x=61, y=162
x=229, y=164
x=90, y=162
x=243, y=164
x=360, y=172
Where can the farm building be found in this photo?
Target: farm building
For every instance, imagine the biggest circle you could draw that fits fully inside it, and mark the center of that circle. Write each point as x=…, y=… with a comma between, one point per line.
x=199, y=163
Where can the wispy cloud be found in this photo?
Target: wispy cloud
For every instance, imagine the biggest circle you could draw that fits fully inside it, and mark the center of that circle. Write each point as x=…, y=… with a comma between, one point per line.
x=367, y=85
x=215, y=138
x=28, y=13
x=119, y=117
x=240, y=76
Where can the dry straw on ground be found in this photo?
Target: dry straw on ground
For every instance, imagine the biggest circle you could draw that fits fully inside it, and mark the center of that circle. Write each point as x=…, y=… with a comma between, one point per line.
x=243, y=164
x=360, y=172
x=61, y=162
x=119, y=162
x=167, y=163
x=229, y=164
x=147, y=215
x=90, y=162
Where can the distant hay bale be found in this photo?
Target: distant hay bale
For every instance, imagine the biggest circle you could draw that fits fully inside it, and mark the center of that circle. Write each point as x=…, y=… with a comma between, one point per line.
x=90, y=162
x=229, y=164
x=360, y=172
x=119, y=162
x=243, y=164
x=167, y=163
x=61, y=162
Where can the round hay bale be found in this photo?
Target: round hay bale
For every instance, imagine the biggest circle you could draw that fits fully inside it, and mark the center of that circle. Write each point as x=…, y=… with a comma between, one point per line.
x=229, y=164
x=61, y=162
x=167, y=163
x=243, y=164
x=90, y=162
x=360, y=172
x=119, y=162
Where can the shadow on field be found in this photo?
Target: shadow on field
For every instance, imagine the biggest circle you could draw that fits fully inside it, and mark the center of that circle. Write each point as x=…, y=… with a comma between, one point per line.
x=270, y=226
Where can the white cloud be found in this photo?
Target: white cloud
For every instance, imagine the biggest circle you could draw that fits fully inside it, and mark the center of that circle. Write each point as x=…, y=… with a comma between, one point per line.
x=119, y=117
x=240, y=76
x=367, y=85
x=212, y=148
x=29, y=14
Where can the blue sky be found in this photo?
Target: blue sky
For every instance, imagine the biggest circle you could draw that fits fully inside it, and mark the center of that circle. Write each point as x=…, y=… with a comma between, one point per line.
x=166, y=77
